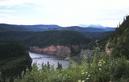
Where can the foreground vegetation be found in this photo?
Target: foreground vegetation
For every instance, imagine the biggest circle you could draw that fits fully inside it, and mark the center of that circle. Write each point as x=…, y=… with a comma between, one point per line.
x=100, y=68
x=13, y=60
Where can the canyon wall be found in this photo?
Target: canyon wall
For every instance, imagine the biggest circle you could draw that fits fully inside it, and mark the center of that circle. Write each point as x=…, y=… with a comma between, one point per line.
x=58, y=50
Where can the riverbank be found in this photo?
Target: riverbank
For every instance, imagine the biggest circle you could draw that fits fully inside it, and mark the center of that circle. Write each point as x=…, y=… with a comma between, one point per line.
x=44, y=59
x=62, y=51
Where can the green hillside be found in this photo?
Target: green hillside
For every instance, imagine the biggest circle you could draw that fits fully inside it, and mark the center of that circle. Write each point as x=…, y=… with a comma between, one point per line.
x=119, y=42
x=58, y=38
x=45, y=38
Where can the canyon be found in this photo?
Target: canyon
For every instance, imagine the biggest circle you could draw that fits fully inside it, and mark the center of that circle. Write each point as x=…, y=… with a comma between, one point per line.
x=57, y=50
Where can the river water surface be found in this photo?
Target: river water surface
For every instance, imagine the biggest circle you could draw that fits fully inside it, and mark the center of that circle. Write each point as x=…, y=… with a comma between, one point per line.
x=40, y=59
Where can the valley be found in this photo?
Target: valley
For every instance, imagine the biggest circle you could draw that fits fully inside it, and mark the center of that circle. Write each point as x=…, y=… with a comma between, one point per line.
x=64, y=51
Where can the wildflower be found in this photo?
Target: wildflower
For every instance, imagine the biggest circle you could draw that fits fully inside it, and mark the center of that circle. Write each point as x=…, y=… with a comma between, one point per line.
x=104, y=62
x=89, y=75
x=86, y=72
x=87, y=78
x=79, y=80
x=99, y=64
x=83, y=81
x=100, y=69
x=82, y=73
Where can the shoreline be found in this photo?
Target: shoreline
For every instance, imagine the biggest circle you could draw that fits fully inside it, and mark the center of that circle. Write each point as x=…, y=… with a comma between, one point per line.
x=51, y=55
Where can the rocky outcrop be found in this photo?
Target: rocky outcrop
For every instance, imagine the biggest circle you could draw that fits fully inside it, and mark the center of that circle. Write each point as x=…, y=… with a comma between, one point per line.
x=58, y=50
x=108, y=49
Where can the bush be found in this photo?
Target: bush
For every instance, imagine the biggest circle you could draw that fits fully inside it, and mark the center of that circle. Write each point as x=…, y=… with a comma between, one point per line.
x=102, y=68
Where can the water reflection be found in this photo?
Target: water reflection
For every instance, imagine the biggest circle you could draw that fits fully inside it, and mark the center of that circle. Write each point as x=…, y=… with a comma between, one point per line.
x=42, y=59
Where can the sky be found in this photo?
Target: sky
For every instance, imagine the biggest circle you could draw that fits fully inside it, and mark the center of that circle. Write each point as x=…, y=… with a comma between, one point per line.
x=64, y=12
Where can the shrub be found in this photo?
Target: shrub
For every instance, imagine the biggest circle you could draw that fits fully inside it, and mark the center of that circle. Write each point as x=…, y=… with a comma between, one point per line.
x=102, y=68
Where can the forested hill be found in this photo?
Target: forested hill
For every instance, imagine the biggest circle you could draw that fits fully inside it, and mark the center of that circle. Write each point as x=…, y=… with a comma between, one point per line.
x=58, y=38
x=35, y=28
x=46, y=38
x=92, y=32
x=119, y=42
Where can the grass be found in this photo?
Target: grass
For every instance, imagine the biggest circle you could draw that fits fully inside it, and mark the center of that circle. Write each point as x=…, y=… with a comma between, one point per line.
x=101, y=68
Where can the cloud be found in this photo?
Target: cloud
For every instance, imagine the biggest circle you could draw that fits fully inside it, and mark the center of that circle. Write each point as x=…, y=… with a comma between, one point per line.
x=21, y=8
x=64, y=12
x=13, y=2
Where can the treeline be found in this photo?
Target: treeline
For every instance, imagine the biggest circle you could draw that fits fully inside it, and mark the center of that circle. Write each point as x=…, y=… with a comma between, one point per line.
x=11, y=49
x=45, y=38
x=58, y=38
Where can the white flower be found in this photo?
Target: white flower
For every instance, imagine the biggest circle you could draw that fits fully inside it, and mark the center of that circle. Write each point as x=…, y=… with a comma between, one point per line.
x=100, y=69
x=99, y=64
x=89, y=75
x=83, y=81
x=79, y=80
x=86, y=72
x=82, y=73
x=87, y=78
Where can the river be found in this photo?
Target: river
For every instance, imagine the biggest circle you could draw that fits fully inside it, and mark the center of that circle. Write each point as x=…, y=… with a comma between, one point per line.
x=40, y=59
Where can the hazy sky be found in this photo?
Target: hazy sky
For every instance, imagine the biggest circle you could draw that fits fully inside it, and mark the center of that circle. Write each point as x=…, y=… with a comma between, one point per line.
x=64, y=12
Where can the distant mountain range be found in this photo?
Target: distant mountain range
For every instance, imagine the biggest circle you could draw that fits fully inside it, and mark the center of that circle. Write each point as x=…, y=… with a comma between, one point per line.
x=92, y=31
x=36, y=28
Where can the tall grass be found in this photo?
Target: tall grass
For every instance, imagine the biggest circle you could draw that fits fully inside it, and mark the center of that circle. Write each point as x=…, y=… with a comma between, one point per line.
x=101, y=68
